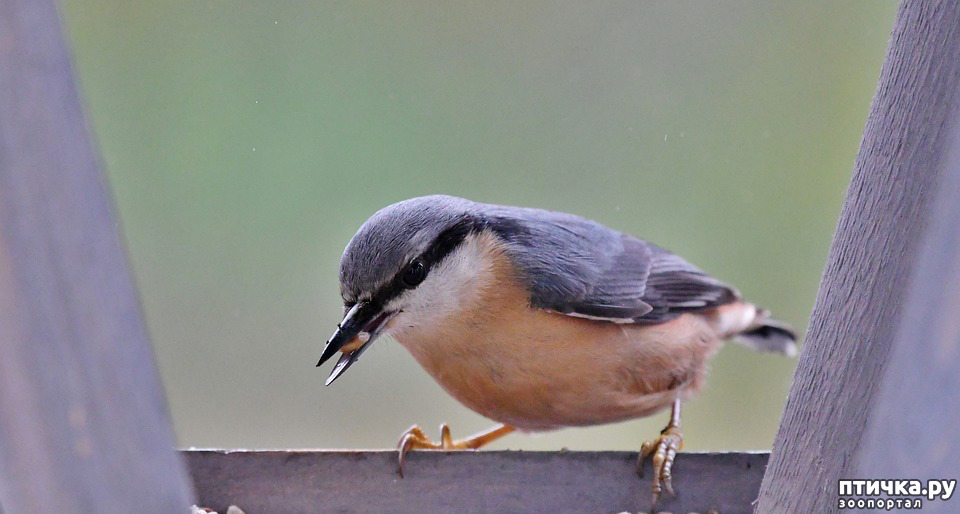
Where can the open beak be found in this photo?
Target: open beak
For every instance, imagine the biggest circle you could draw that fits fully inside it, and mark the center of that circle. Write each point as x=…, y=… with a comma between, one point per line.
x=362, y=324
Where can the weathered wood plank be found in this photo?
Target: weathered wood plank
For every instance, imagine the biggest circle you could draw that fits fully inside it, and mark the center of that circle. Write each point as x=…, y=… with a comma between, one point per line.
x=912, y=432
x=83, y=421
x=864, y=288
x=494, y=481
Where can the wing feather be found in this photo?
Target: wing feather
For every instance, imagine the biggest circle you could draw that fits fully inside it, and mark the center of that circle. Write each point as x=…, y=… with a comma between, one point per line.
x=581, y=268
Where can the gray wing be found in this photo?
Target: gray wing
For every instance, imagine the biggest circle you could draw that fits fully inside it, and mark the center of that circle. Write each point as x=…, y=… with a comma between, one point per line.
x=675, y=286
x=579, y=267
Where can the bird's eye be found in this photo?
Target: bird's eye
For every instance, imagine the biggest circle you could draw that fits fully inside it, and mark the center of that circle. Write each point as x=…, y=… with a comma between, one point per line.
x=415, y=273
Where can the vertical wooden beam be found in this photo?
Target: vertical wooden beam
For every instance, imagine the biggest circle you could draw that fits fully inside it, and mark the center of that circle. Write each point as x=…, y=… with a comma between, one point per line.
x=864, y=288
x=912, y=432
x=83, y=421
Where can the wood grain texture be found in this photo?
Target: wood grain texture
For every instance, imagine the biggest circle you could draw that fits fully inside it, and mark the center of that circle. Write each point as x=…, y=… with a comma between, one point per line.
x=863, y=292
x=912, y=432
x=497, y=481
x=83, y=422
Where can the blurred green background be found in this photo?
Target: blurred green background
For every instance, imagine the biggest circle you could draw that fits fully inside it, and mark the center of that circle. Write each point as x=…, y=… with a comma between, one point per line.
x=245, y=142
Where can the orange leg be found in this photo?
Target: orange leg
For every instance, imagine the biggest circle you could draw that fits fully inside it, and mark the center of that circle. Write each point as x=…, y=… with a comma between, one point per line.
x=415, y=439
x=664, y=449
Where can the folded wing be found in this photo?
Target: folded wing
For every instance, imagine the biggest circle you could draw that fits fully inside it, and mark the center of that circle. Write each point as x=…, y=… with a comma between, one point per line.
x=578, y=267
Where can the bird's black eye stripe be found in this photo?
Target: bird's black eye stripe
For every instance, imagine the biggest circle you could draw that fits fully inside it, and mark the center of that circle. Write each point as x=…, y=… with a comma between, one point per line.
x=449, y=239
x=415, y=273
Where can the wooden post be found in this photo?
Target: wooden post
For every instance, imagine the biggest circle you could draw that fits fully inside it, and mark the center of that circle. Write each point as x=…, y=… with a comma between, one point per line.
x=863, y=294
x=912, y=432
x=83, y=421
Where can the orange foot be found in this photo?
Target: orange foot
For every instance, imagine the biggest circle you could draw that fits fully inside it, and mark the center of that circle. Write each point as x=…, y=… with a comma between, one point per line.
x=415, y=439
x=664, y=449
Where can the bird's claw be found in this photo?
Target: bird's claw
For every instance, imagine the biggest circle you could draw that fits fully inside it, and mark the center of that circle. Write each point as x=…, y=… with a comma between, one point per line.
x=664, y=449
x=415, y=439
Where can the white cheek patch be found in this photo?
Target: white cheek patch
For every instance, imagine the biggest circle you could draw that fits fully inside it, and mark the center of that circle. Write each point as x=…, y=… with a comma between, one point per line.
x=447, y=287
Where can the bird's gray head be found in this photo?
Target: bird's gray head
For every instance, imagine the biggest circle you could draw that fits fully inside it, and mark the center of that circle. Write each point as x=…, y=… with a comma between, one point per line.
x=408, y=264
x=398, y=237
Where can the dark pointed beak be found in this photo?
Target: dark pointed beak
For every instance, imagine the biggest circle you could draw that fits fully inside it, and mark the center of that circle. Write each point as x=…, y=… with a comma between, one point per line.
x=365, y=320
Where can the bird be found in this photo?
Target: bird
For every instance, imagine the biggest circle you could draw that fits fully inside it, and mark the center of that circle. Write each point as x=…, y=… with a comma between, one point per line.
x=539, y=320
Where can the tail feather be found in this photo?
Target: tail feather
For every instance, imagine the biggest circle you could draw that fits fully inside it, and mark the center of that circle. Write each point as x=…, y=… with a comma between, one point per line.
x=766, y=334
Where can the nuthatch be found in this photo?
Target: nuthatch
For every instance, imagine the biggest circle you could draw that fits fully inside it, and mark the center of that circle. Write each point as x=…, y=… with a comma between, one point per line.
x=539, y=319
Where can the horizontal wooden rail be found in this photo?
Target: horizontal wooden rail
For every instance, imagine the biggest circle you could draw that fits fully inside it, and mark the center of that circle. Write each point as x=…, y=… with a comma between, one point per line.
x=485, y=481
